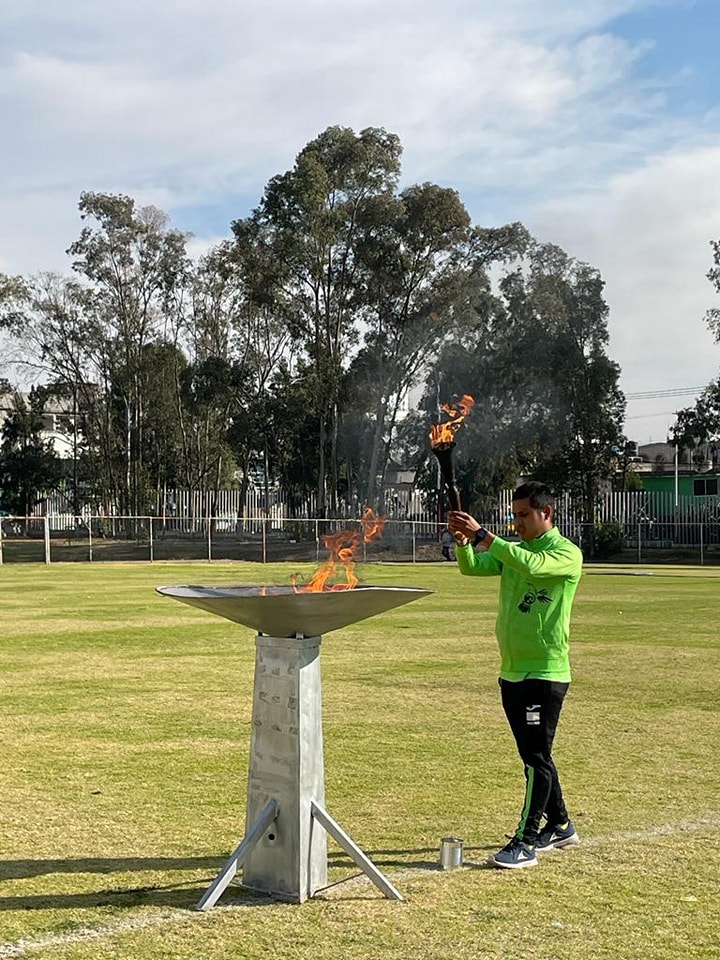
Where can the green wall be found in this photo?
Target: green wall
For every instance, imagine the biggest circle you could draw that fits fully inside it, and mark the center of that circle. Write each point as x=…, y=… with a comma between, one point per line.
x=708, y=483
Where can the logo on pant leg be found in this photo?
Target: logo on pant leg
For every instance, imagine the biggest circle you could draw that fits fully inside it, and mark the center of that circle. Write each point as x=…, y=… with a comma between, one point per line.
x=532, y=715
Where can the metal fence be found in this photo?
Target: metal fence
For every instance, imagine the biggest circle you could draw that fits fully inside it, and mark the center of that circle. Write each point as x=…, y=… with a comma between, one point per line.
x=400, y=502
x=65, y=538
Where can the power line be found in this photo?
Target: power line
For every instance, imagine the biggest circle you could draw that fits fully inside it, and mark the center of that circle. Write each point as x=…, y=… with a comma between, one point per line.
x=647, y=416
x=653, y=394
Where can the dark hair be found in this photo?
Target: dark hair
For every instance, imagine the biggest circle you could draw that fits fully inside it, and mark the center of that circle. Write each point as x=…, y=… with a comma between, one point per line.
x=539, y=494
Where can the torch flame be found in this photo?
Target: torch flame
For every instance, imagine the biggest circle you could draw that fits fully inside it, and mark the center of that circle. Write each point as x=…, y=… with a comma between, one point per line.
x=344, y=548
x=443, y=434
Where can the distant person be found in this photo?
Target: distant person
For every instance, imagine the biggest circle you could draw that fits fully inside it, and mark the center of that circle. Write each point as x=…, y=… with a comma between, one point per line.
x=539, y=577
x=448, y=545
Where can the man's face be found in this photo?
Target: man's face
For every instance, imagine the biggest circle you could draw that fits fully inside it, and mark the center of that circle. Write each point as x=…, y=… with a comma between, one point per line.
x=529, y=522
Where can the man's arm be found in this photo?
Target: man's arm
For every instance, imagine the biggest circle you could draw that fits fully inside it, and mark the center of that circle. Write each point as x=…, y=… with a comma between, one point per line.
x=469, y=534
x=563, y=560
x=476, y=564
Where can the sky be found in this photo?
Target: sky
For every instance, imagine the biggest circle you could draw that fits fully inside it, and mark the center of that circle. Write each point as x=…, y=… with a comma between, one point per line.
x=594, y=122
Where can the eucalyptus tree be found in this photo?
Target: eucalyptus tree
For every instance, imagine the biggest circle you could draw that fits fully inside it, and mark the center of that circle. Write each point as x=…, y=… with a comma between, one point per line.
x=589, y=407
x=477, y=361
x=410, y=249
x=236, y=345
x=133, y=271
x=291, y=426
x=207, y=385
x=534, y=356
x=424, y=268
x=300, y=261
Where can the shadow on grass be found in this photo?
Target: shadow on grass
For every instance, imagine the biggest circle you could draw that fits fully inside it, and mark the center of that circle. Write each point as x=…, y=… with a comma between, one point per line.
x=22, y=869
x=179, y=894
x=406, y=859
x=183, y=899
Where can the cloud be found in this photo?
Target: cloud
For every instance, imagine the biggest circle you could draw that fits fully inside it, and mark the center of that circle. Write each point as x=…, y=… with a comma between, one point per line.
x=212, y=100
x=648, y=231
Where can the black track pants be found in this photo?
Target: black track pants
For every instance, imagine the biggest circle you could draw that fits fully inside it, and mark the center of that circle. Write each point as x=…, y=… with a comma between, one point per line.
x=533, y=710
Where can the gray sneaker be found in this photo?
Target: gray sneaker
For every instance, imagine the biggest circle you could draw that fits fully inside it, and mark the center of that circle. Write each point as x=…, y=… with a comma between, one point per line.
x=515, y=854
x=553, y=838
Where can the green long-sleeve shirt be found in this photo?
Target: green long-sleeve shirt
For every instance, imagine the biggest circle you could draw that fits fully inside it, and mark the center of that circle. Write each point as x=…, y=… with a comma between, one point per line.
x=537, y=587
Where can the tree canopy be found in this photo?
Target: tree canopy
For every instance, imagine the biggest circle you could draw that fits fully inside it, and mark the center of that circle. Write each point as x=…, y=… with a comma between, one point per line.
x=287, y=353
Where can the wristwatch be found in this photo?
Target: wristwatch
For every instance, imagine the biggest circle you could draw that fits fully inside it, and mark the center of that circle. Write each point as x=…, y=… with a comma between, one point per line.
x=479, y=537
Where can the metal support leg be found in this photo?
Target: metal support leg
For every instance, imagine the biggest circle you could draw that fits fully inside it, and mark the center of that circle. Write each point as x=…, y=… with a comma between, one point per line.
x=353, y=851
x=268, y=813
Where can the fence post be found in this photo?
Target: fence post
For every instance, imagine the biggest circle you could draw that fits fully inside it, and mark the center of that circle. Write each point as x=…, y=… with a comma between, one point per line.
x=150, y=525
x=209, y=538
x=413, y=541
x=263, y=522
x=317, y=540
x=89, y=530
x=702, y=546
x=1, y=546
x=46, y=535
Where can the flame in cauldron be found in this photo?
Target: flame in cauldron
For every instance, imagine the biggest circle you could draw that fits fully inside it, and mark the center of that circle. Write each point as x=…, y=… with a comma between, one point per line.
x=344, y=548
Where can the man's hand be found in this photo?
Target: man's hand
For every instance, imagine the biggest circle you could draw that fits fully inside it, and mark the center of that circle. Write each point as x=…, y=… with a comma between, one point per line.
x=462, y=526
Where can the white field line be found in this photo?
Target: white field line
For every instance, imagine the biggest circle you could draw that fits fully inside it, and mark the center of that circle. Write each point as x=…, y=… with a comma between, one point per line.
x=27, y=947
x=651, y=833
x=23, y=948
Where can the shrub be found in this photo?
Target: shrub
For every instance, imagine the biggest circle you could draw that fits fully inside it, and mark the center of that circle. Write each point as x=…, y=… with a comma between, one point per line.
x=607, y=540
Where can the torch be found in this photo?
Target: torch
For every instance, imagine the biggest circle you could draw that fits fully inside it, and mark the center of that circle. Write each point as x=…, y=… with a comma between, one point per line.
x=442, y=442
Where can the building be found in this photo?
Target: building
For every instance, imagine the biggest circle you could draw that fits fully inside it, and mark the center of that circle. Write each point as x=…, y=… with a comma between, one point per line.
x=57, y=421
x=688, y=473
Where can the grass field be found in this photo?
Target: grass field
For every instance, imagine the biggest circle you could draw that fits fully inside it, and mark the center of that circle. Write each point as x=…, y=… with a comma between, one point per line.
x=125, y=727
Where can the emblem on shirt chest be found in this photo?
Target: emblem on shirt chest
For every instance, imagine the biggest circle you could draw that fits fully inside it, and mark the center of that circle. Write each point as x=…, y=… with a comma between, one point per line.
x=531, y=596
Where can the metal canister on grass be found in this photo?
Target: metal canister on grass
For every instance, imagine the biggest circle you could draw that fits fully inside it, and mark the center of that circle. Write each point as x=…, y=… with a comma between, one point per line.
x=451, y=852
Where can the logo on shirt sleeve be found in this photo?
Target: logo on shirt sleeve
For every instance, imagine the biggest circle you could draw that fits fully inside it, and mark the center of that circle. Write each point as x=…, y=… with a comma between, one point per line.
x=542, y=596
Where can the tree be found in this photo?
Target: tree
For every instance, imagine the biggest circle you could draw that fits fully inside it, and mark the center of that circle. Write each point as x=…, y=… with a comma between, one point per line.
x=299, y=254
x=712, y=316
x=547, y=398
x=134, y=270
x=160, y=360
x=699, y=426
x=97, y=337
x=239, y=345
x=28, y=463
x=412, y=253
x=47, y=313
x=292, y=429
x=570, y=309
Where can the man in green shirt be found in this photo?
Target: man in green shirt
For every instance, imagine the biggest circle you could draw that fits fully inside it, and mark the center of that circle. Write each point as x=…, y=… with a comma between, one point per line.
x=539, y=577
